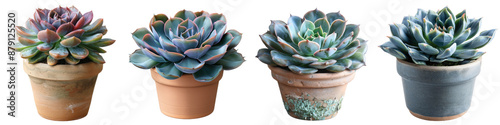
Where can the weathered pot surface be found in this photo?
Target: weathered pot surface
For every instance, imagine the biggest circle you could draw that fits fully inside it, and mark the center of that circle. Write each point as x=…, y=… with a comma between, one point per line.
x=438, y=92
x=184, y=97
x=312, y=97
x=62, y=92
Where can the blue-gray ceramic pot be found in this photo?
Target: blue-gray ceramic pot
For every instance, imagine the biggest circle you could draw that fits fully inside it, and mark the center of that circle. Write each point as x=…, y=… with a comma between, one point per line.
x=438, y=92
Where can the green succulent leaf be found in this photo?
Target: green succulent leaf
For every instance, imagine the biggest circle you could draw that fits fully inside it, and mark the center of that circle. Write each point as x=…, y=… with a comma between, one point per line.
x=302, y=70
x=168, y=70
x=185, y=14
x=29, y=52
x=323, y=64
x=236, y=38
x=393, y=50
x=189, y=65
x=208, y=73
x=44, y=47
x=314, y=15
x=37, y=58
x=59, y=52
x=184, y=44
x=356, y=65
x=231, y=60
x=428, y=49
x=264, y=55
x=443, y=39
x=96, y=57
x=323, y=24
x=417, y=55
x=303, y=59
x=338, y=27
x=79, y=52
x=94, y=26
x=465, y=53
x=294, y=24
x=214, y=54
x=282, y=59
x=447, y=52
x=474, y=27
x=142, y=61
x=306, y=26
x=104, y=42
x=334, y=16
x=92, y=39
x=308, y=47
x=71, y=60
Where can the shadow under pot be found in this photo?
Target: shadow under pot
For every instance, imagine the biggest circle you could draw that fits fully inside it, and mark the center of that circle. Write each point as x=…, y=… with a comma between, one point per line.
x=62, y=92
x=315, y=96
x=438, y=93
x=184, y=97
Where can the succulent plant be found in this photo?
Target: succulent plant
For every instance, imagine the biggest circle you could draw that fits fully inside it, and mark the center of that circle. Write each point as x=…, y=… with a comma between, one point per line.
x=62, y=34
x=441, y=38
x=315, y=43
x=188, y=43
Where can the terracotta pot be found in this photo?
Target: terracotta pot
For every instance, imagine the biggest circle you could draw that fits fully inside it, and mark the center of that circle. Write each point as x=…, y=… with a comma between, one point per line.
x=312, y=97
x=185, y=97
x=62, y=92
x=438, y=92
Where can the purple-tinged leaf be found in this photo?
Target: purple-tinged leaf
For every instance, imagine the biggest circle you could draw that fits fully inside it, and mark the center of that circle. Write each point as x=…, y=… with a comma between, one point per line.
x=65, y=29
x=71, y=42
x=76, y=33
x=26, y=41
x=48, y=36
x=24, y=32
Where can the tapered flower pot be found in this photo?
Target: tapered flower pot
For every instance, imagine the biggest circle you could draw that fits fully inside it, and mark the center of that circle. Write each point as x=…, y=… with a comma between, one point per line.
x=62, y=92
x=438, y=92
x=185, y=97
x=312, y=97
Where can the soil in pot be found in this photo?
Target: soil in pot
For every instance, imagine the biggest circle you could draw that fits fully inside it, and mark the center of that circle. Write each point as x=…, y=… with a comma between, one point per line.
x=438, y=93
x=62, y=92
x=184, y=97
x=312, y=97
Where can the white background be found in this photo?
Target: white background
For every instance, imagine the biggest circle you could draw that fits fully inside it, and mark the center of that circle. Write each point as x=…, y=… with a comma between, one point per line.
x=125, y=95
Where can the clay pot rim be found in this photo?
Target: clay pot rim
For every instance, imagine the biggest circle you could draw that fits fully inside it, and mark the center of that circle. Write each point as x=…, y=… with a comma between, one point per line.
x=426, y=67
x=186, y=85
x=318, y=76
x=82, y=67
x=315, y=80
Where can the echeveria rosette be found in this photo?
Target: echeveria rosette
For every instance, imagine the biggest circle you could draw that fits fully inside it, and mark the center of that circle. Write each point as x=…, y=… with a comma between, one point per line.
x=441, y=38
x=314, y=43
x=62, y=34
x=188, y=43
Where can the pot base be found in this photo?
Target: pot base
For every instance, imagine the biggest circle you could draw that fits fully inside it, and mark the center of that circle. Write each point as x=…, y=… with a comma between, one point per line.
x=296, y=117
x=437, y=118
x=179, y=116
